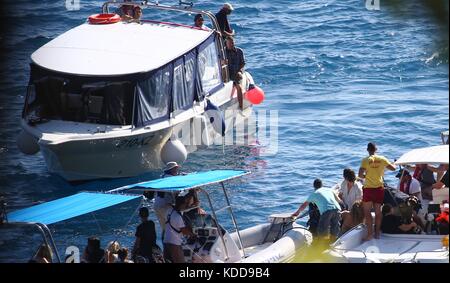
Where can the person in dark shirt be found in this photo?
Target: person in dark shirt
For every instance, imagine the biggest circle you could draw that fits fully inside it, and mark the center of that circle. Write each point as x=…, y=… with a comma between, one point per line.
x=93, y=253
x=426, y=178
x=392, y=224
x=314, y=213
x=222, y=20
x=236, y=63
x=145, y=236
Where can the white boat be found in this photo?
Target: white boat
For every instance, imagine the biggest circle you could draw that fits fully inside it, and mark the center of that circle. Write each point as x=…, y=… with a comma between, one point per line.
x=390, y=248
x=425, y=248
x=279, y=240
x=121, y=99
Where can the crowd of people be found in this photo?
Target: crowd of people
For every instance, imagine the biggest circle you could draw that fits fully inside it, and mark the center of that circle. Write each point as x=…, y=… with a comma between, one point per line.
x=333, y=211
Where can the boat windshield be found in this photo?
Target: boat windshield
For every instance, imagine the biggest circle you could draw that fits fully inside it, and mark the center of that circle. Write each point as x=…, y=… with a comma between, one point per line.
x=55, y=97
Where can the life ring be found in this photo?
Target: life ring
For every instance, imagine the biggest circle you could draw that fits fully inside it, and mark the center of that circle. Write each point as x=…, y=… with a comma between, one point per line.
x=102, y=19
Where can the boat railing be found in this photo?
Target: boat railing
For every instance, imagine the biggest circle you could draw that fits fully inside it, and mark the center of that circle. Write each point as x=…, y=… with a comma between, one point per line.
x=43, y=230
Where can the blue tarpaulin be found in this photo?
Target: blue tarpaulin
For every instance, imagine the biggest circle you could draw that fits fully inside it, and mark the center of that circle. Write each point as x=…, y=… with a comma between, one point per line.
x=68, y=207
x=191, y=181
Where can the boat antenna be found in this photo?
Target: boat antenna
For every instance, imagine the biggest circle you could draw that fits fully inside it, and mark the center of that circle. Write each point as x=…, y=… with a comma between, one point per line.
x=3, y=215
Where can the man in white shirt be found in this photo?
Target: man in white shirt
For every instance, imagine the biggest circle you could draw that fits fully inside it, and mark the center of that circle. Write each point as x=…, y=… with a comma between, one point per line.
x=409, y=185
x=175, y=229
x=350, y=191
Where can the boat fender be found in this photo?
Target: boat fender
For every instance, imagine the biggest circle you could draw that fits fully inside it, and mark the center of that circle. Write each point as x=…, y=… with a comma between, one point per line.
x=103, y=19
x=27, y=144
x=254, y=94
x=173, y=150
x=215, y=117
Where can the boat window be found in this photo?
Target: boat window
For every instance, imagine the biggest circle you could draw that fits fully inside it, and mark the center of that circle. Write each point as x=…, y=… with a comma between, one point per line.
x=153, y=96
x=109, y=104
x=189, y=67
x=181, y=98
x=208, y=64
x=45, y=98
x=55, y=98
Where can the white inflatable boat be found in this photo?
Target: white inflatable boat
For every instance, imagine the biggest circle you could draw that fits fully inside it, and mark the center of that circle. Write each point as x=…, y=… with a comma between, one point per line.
x=428, y=248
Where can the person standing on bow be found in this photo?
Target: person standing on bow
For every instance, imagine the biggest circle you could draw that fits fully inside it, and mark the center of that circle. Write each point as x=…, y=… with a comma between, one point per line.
x=222, y=20
x=372, y=171
x=164, y=201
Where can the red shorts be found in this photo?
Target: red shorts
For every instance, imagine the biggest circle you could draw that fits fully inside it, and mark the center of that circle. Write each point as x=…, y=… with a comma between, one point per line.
x=375, y=195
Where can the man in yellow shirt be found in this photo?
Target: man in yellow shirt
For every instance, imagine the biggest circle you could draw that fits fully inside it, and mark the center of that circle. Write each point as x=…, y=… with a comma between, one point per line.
x=372, y=171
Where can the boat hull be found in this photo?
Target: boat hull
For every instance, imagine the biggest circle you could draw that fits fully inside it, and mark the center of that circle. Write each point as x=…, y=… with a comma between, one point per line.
x=103, y=155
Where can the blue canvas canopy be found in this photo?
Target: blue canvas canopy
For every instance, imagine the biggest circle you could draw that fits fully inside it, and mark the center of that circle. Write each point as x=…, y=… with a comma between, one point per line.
x=68, y=207
x=186, y=182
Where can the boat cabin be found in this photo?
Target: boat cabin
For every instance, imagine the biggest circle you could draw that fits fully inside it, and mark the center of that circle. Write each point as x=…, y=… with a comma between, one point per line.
x=126, y=73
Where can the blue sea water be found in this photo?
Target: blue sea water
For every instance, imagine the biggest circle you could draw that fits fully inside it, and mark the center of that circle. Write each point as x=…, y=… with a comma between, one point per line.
x=338, y=74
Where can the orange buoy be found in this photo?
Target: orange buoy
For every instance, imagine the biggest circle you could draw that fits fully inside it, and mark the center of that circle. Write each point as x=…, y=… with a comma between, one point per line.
x=255, y=95
x=102, y=19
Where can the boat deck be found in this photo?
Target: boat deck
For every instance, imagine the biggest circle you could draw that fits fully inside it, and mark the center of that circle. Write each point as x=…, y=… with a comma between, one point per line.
x=398, y=248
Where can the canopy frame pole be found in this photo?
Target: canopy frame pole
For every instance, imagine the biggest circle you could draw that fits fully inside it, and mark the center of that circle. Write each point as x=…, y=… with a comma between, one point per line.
x=233, y=218
x=96, y=222
x=227, y=256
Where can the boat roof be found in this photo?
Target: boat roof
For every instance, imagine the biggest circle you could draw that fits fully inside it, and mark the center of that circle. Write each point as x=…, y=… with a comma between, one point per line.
x=68, y=207
x=426, y=155
x=118, y=49
x=187, y=182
